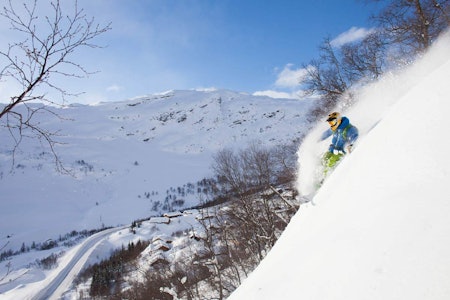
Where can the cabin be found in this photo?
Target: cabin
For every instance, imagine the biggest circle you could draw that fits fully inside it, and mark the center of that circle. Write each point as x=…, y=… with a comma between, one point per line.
x=160, y=220
x=157, y=259
x=172, y=214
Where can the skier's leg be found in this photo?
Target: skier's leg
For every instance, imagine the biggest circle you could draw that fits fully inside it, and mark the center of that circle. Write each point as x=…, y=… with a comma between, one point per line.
x=334, y=160
x=329, y=162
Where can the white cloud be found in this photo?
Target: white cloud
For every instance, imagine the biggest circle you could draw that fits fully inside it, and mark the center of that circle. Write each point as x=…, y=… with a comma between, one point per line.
x=114, y=88
x=288, y=84
x=290, y=78
x=275, y=94
x=205, y=89
x=351, y=35
x=297, y=94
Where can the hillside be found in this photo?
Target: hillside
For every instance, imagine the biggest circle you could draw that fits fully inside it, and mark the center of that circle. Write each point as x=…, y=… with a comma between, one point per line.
x=128, y=158
x=379, y=227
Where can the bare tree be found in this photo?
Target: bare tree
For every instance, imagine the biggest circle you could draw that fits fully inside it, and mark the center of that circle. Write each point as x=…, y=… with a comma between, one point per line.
x=251, y=169
x=340, y=68
x=229, y=170
x=365, y=59
x=258, y=164
x=326, y=77
x=413, y=25
x=43, y=53
x=246, y=174
x=212, y=251
x=405, y=28
x=285, y=158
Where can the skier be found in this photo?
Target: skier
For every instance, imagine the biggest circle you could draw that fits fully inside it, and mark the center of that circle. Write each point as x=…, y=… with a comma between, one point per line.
x=344, y=136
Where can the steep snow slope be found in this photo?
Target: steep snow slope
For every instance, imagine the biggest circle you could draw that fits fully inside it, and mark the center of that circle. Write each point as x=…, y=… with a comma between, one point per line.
x=129, y=157
x=380, y=226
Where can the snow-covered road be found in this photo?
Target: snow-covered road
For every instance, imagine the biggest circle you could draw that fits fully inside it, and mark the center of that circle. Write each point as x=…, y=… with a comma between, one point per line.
x=63, y=279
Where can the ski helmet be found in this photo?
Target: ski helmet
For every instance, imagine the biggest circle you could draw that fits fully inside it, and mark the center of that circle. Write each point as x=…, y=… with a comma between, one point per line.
x=334, y=119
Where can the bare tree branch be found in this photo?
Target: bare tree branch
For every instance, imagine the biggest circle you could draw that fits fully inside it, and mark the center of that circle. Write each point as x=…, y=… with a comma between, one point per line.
x=44, y=52
x=412, y=25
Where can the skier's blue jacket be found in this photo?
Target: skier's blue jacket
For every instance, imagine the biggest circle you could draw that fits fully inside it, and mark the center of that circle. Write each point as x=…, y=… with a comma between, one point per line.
x=345, y=134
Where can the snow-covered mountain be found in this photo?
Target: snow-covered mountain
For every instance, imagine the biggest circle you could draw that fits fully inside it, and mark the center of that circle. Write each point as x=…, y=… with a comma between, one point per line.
x=379, y=227
x=128, y=157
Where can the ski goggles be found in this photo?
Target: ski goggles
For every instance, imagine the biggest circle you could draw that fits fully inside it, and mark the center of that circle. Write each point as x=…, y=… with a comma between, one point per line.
x=332, y=122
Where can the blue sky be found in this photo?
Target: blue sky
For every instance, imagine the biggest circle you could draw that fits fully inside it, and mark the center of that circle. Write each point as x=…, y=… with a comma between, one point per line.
x=242, y=45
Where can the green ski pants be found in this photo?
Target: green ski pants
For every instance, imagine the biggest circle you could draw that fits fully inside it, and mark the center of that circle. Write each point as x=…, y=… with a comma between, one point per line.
x=329, y=161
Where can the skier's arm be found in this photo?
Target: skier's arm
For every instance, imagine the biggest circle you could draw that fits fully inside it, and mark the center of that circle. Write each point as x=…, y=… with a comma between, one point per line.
x=352, y=135
x=326, y=134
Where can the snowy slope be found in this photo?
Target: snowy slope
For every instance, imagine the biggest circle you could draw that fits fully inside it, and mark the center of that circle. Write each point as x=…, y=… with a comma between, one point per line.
x=127, y=156
x=380, y=225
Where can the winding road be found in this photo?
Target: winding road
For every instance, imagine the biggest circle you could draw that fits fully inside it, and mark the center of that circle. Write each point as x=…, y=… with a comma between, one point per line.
x=64, y=279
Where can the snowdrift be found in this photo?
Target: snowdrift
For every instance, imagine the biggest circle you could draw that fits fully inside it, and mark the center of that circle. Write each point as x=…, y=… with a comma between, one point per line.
x=379, y=227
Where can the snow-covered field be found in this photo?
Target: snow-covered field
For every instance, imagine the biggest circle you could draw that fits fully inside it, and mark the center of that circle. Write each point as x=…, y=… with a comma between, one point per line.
x=379, y=227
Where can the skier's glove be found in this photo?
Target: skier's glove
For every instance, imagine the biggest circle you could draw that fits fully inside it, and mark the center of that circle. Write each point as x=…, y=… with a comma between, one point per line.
x=331, y=148
x=337, y=152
